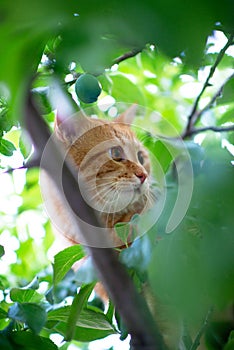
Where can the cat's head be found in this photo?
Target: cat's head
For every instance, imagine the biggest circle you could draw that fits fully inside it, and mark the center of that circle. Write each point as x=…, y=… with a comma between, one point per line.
x=113, y=165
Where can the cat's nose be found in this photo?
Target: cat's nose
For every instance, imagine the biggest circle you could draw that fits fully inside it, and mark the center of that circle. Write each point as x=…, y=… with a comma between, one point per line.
x=142, y=176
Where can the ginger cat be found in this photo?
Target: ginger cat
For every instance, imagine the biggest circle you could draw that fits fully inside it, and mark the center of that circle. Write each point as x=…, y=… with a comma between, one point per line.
x=113, y=172
x=113, y=176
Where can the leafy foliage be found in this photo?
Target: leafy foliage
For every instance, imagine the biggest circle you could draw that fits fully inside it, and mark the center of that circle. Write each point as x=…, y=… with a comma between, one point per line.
x=156, y=55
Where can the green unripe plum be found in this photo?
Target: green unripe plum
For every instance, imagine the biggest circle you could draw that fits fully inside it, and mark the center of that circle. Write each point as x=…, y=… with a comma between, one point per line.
x=87, y=88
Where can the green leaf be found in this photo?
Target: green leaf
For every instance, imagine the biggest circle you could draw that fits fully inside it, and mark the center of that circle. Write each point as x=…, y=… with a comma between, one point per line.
x=4, y=343
x=106, y=83
x=79, y=301
x=218, y=334
x=128, y=232
x=87, y=272
x=49, y=237
x=6, y=147
x=230, y=343
x=60, y=314
x=110, y=312
x=13, y=137
x=41, y=97
x=131, y=92
x=4, y=282
x=163, y=154
x=138, y=255
x=228, y=93
x=3, y=314
x=34, y=284
x=226, y=62
x=90, y=318
x=193, y=269
x=5, y=122
x=33, y=315
x=85, y=334
x=25, y=145
x=25, y=295
x=64, y=260
x=30, y=341
x=196, y=154
x=31, y=194
x=227, y=116
x=123, y=229
x=91, y=324
x=2, y=251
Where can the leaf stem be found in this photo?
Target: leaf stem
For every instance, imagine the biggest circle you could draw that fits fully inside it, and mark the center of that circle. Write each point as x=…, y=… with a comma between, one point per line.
x=201, y=331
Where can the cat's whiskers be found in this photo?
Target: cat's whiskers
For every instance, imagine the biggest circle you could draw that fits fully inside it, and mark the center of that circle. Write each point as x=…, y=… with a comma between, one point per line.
x=93, y=185
x=107, y=206
x=100, y=193
x=111, y=183
x=107, y=187
x=151, y=196
x=113, y=178
x=111, y=214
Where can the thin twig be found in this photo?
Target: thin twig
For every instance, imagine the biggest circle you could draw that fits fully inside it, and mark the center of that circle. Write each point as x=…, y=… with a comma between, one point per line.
x=33, y=163
x=210, y=128
x=192, y=131
x=194, y=115
x=75, y=77
x=213, y=99
x=127, y=55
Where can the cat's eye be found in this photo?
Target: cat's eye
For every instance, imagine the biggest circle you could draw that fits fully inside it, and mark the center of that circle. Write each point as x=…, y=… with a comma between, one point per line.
x=117, y=153
x=140, y=157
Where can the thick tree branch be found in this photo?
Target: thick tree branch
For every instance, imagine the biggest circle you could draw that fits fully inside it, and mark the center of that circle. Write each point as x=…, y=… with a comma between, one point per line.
x=131, y=306
x=195, y=115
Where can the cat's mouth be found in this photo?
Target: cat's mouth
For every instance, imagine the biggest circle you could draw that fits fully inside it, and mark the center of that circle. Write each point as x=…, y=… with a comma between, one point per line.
x=136, y=191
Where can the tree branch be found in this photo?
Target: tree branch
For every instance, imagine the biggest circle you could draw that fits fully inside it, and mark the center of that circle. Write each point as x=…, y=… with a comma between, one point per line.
x=132, y=307
x=119, y=59
x=195, y=115
x=32, y=163
x=210, y=128
x=127, y=55
x=191, y=130
x=213, y=99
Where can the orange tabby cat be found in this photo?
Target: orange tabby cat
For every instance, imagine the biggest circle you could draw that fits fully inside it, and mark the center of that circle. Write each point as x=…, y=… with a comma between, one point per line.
x=113, y=172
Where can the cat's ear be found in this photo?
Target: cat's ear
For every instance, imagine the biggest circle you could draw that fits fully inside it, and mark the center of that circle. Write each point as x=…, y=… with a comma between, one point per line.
x=69, y=129
x=128, y=116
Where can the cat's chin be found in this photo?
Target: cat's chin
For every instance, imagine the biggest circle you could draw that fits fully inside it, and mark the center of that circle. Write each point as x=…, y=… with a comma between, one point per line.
x=137, y=205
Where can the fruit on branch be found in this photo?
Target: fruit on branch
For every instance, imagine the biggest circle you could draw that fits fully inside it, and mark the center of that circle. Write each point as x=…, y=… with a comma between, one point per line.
x=87, y=88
